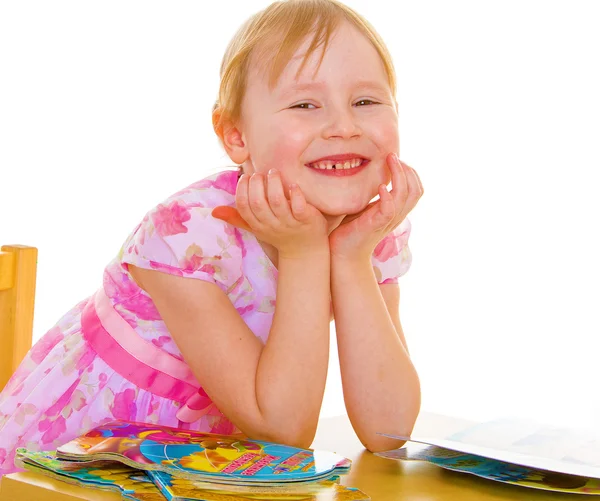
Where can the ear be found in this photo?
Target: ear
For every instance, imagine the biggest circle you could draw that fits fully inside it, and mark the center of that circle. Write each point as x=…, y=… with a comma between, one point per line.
x=230, y=136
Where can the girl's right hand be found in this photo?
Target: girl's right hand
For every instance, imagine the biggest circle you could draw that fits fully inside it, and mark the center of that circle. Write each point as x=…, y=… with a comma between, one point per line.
x=292, y=226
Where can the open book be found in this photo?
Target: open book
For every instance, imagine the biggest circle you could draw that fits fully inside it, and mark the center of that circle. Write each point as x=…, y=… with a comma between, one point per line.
x=516, y=451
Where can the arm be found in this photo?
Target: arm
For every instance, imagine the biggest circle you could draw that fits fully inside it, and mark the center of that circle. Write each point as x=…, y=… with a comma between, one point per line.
x=273, y=392
x=381, y=386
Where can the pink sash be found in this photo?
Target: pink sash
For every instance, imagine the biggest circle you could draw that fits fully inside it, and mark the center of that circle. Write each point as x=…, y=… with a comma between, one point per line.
x=141, y=362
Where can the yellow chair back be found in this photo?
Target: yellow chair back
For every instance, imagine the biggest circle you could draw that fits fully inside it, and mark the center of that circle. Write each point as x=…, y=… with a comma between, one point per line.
x=18, y=267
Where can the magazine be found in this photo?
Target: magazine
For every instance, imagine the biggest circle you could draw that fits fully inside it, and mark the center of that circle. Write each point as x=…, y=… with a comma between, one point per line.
x=494, y=469
x=526, y=443
x=137, y=485
x=203, y=456
x=182, y=489
x=133, y=484
x=514, y=450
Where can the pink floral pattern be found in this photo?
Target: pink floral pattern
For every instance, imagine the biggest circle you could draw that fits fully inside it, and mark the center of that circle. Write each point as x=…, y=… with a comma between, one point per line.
x=49, y=341
x=63, y=388
x=392, y=255
x=165, y=268
x=223, y=181
x=124, y=404
x=169, y=219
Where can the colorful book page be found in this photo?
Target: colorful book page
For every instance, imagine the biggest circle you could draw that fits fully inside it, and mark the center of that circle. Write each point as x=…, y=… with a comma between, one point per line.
x=526, y=443
x=494, y=469
x=203, y=456
x=182, y=489
x=133, y=484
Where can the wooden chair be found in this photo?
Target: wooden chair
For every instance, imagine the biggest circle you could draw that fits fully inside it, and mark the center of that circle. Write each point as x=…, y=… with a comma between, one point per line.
x=18, y=265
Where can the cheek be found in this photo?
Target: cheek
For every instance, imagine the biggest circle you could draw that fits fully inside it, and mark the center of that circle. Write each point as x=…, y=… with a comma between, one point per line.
x=387, y=139
x=283, y=146
x=387, y=135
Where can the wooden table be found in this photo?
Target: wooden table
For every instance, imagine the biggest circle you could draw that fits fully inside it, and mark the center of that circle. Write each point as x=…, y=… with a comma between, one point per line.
x=382, y=479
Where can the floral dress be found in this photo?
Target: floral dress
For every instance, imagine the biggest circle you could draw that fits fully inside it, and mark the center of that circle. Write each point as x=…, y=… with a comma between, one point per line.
x=66, y=385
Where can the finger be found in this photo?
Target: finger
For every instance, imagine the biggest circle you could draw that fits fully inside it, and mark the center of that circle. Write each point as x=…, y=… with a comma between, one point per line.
x=399, y=182
x=377, y=215
x=419, y=181
x=242, y=200
x=298, y=203
x=384, y=212
x=276, y=196
x=258, y=202
x=387, y=207
x=414, y=193
x=415, y=189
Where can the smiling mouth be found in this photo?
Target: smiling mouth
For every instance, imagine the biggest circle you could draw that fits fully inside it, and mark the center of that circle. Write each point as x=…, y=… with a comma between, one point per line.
x=338, y=165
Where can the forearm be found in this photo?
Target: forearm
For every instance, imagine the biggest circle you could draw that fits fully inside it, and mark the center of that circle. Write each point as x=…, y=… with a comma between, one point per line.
x=292, y=369
x=381, y=386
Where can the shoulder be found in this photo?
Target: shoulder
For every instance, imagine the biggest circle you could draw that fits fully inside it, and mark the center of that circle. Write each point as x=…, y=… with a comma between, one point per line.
x=181, y=237
x=216, y=189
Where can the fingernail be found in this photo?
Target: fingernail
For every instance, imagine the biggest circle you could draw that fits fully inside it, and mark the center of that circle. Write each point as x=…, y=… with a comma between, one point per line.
x=272, y=171
x=396, y=158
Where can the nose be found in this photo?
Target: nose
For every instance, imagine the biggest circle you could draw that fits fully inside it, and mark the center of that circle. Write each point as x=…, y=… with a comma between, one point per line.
x=341, y=123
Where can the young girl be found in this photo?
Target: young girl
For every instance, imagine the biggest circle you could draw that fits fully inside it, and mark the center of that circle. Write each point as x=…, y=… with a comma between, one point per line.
x=215, y=314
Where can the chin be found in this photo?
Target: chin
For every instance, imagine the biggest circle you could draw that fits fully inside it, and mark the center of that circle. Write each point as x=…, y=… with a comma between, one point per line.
x=342, y=205
x=342, y=209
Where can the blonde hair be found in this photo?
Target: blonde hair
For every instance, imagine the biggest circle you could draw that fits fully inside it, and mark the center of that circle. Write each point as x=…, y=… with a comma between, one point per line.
x=274, y=35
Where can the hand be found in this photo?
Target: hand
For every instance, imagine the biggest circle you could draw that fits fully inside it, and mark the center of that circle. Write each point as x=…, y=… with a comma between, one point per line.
x=358, y=234
x=292, y=226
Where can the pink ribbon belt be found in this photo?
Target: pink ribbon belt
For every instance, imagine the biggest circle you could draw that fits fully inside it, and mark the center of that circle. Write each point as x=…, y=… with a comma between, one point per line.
x=141, y=362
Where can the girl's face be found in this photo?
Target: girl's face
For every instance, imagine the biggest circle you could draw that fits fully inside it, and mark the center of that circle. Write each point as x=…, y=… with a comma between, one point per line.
x=347, y=109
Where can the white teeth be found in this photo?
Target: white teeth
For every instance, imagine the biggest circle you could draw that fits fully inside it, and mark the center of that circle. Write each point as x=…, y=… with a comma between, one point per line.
x=349, y=164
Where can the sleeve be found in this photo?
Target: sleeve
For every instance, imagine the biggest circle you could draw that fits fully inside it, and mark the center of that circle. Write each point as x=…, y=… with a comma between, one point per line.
x=392, y=257
x=188, y=242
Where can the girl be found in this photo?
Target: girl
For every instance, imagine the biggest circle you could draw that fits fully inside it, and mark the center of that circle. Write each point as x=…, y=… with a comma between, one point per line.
x=215, y=314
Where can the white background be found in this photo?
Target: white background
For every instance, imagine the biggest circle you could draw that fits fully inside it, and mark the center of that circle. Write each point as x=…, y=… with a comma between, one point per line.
x=105, y=110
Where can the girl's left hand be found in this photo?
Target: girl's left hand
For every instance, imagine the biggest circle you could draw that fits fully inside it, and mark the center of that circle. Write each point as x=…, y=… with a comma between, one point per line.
x=358, y=234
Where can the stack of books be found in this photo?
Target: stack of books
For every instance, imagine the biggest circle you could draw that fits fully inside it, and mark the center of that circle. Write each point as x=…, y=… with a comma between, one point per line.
x=153, y=463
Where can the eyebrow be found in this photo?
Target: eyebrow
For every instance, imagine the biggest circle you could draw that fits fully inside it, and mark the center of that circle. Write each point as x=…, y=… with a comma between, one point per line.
x=362, y=84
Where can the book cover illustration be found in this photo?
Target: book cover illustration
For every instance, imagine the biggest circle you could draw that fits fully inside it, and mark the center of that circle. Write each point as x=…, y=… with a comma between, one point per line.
x=203, y=456
x=182, y=489
x=136, y=485
x=526, y=443
x=133, y=484
x=494, y=469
